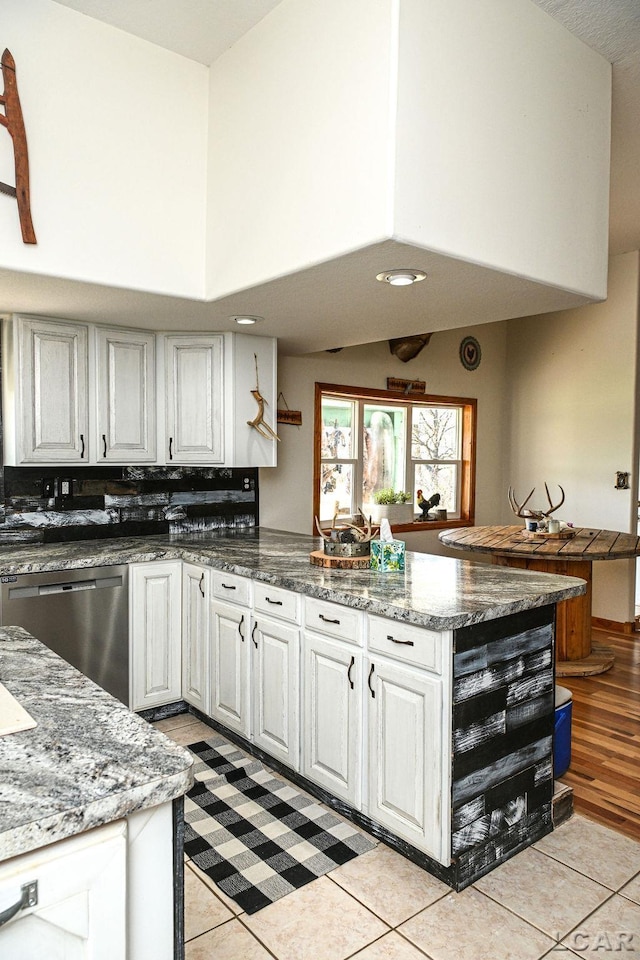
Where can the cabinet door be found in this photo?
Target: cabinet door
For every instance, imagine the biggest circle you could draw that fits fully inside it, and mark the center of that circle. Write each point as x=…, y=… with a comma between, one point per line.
x=195, y=636
x=332, y=716
x=81, y=908
x=276, y=689
x=156, y=633
x=125, y=396
x=53, y=419
x=405, y=753
x=250, y=364
x=194, y=386
x=230, y=659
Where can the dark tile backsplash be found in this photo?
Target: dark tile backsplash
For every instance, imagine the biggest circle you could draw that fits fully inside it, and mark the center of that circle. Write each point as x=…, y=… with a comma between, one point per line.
x=123, y=501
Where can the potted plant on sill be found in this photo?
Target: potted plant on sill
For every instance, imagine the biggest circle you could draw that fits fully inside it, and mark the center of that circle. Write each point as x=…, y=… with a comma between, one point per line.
x=395, y=505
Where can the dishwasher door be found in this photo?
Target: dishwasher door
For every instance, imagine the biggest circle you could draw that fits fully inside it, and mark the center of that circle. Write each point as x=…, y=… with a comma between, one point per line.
x=82, y=615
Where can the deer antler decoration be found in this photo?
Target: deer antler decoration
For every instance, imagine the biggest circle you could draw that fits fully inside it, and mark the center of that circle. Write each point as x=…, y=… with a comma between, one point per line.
x=519, y=508
x=259, y=423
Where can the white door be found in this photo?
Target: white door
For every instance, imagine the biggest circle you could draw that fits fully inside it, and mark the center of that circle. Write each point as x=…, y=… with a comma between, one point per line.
x=194, y=386
x=195, y=636
x=405, y=753
x=126, y=397
x=230, y=659
x=276, y=690
x=81, y=899
x=332, y=716
x=155, y=594
x=54, y=392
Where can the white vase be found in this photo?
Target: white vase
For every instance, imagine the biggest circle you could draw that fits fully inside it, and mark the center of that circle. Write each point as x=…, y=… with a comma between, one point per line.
x=394, y=512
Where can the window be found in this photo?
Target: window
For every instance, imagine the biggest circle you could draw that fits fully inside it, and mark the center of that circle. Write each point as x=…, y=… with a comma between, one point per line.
x=372, y=440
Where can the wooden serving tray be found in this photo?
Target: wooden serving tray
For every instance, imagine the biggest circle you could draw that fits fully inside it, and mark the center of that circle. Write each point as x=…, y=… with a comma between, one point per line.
x=543, y=535
x=320, y=559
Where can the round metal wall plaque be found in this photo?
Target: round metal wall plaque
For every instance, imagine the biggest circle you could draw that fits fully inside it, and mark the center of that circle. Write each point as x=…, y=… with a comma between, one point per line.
x=470, y=353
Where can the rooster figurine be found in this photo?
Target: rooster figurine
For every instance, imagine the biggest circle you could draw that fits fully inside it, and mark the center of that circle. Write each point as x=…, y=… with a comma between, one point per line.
x=426, y=505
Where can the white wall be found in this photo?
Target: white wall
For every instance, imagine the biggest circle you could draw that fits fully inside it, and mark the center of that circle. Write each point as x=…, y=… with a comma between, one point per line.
x=286, y=493
x=299, y=150
x=572, y=382
x=503, y=141
x=117, y=132
x=475, y=130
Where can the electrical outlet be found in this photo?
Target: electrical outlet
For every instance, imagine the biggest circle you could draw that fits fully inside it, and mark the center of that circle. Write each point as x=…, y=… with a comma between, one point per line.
x=66, y=488
x=48, y=487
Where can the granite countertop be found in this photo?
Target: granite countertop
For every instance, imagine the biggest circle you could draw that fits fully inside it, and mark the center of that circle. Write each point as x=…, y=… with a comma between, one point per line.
x=88, y=761
x=440, y=593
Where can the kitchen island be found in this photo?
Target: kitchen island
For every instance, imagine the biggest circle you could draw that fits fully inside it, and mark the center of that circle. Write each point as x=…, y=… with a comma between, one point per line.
x=91, y=782
x=450, y=662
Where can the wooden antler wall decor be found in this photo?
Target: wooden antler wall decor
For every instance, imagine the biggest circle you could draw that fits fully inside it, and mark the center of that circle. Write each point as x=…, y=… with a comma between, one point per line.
x=14, y=124
x=259, y=423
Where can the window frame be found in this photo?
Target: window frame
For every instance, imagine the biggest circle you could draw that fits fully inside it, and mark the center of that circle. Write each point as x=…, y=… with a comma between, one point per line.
x=468, y=425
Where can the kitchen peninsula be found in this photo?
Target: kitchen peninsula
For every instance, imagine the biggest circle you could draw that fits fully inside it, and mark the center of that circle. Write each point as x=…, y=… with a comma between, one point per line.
x=453, y=662
x=90, y=810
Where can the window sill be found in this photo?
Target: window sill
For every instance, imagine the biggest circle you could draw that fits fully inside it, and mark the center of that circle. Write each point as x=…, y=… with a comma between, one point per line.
x=418, y=526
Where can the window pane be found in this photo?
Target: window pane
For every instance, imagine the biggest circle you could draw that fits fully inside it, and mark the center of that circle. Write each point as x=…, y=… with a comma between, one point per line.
x=338, y=417
x=435, y=433
x=336, y=486
x=383, y=449
x=438, y=478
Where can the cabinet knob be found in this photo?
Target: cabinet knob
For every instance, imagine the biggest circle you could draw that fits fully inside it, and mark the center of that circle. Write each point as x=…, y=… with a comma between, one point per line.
x=28, y=898
x=406, y=643
x=373, y=693
x=353, y=660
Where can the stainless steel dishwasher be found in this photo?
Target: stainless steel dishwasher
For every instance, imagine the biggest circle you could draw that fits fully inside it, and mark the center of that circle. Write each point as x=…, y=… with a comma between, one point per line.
x=82, y=615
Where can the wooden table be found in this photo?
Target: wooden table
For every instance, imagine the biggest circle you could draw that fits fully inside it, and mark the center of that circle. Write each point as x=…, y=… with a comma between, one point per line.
x=512, y=546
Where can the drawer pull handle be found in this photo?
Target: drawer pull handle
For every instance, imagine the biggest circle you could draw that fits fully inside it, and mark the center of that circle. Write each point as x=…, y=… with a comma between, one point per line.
x=228, y=586
x=353, y=660
x=253, y=634
x=327, y=619
x=240, y=628
x=373, y=693
x=276, y=603
x=200, y=584
x=406, y=643
x=28, y=898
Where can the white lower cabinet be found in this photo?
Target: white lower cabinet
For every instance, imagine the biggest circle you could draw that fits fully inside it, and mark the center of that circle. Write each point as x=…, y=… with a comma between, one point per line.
x=405, y=753
x=275, y=672
x=332, y=716
x=195, y=635
x=155, y=605
x=230, y=628
x=81, y=909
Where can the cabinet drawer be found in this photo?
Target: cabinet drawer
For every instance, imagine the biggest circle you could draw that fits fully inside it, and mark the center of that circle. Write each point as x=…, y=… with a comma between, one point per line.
x=334, y=619
x=406, y=642
x=231, y=587
x=276, y=602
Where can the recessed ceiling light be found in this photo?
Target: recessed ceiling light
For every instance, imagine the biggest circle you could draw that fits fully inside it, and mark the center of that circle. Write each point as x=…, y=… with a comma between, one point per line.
x=246, y=321
x=401, y=278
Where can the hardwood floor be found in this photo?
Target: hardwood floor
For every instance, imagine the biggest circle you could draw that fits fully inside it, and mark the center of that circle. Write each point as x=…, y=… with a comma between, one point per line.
x=605, y=742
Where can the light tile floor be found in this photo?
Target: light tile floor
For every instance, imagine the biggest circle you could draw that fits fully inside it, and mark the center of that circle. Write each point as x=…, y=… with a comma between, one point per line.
x=576, y=893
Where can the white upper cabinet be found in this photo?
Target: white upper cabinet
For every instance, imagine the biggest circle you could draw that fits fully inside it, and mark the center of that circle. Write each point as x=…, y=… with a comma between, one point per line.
x=126, y=385
x=84, y=393
x=46, y=392
x=194, y=392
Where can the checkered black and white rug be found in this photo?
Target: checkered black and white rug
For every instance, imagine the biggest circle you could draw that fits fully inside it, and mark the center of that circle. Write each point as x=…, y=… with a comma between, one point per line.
x=257, y=837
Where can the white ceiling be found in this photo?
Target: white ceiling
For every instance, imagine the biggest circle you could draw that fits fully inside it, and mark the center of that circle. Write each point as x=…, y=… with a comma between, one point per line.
x=202, y=30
